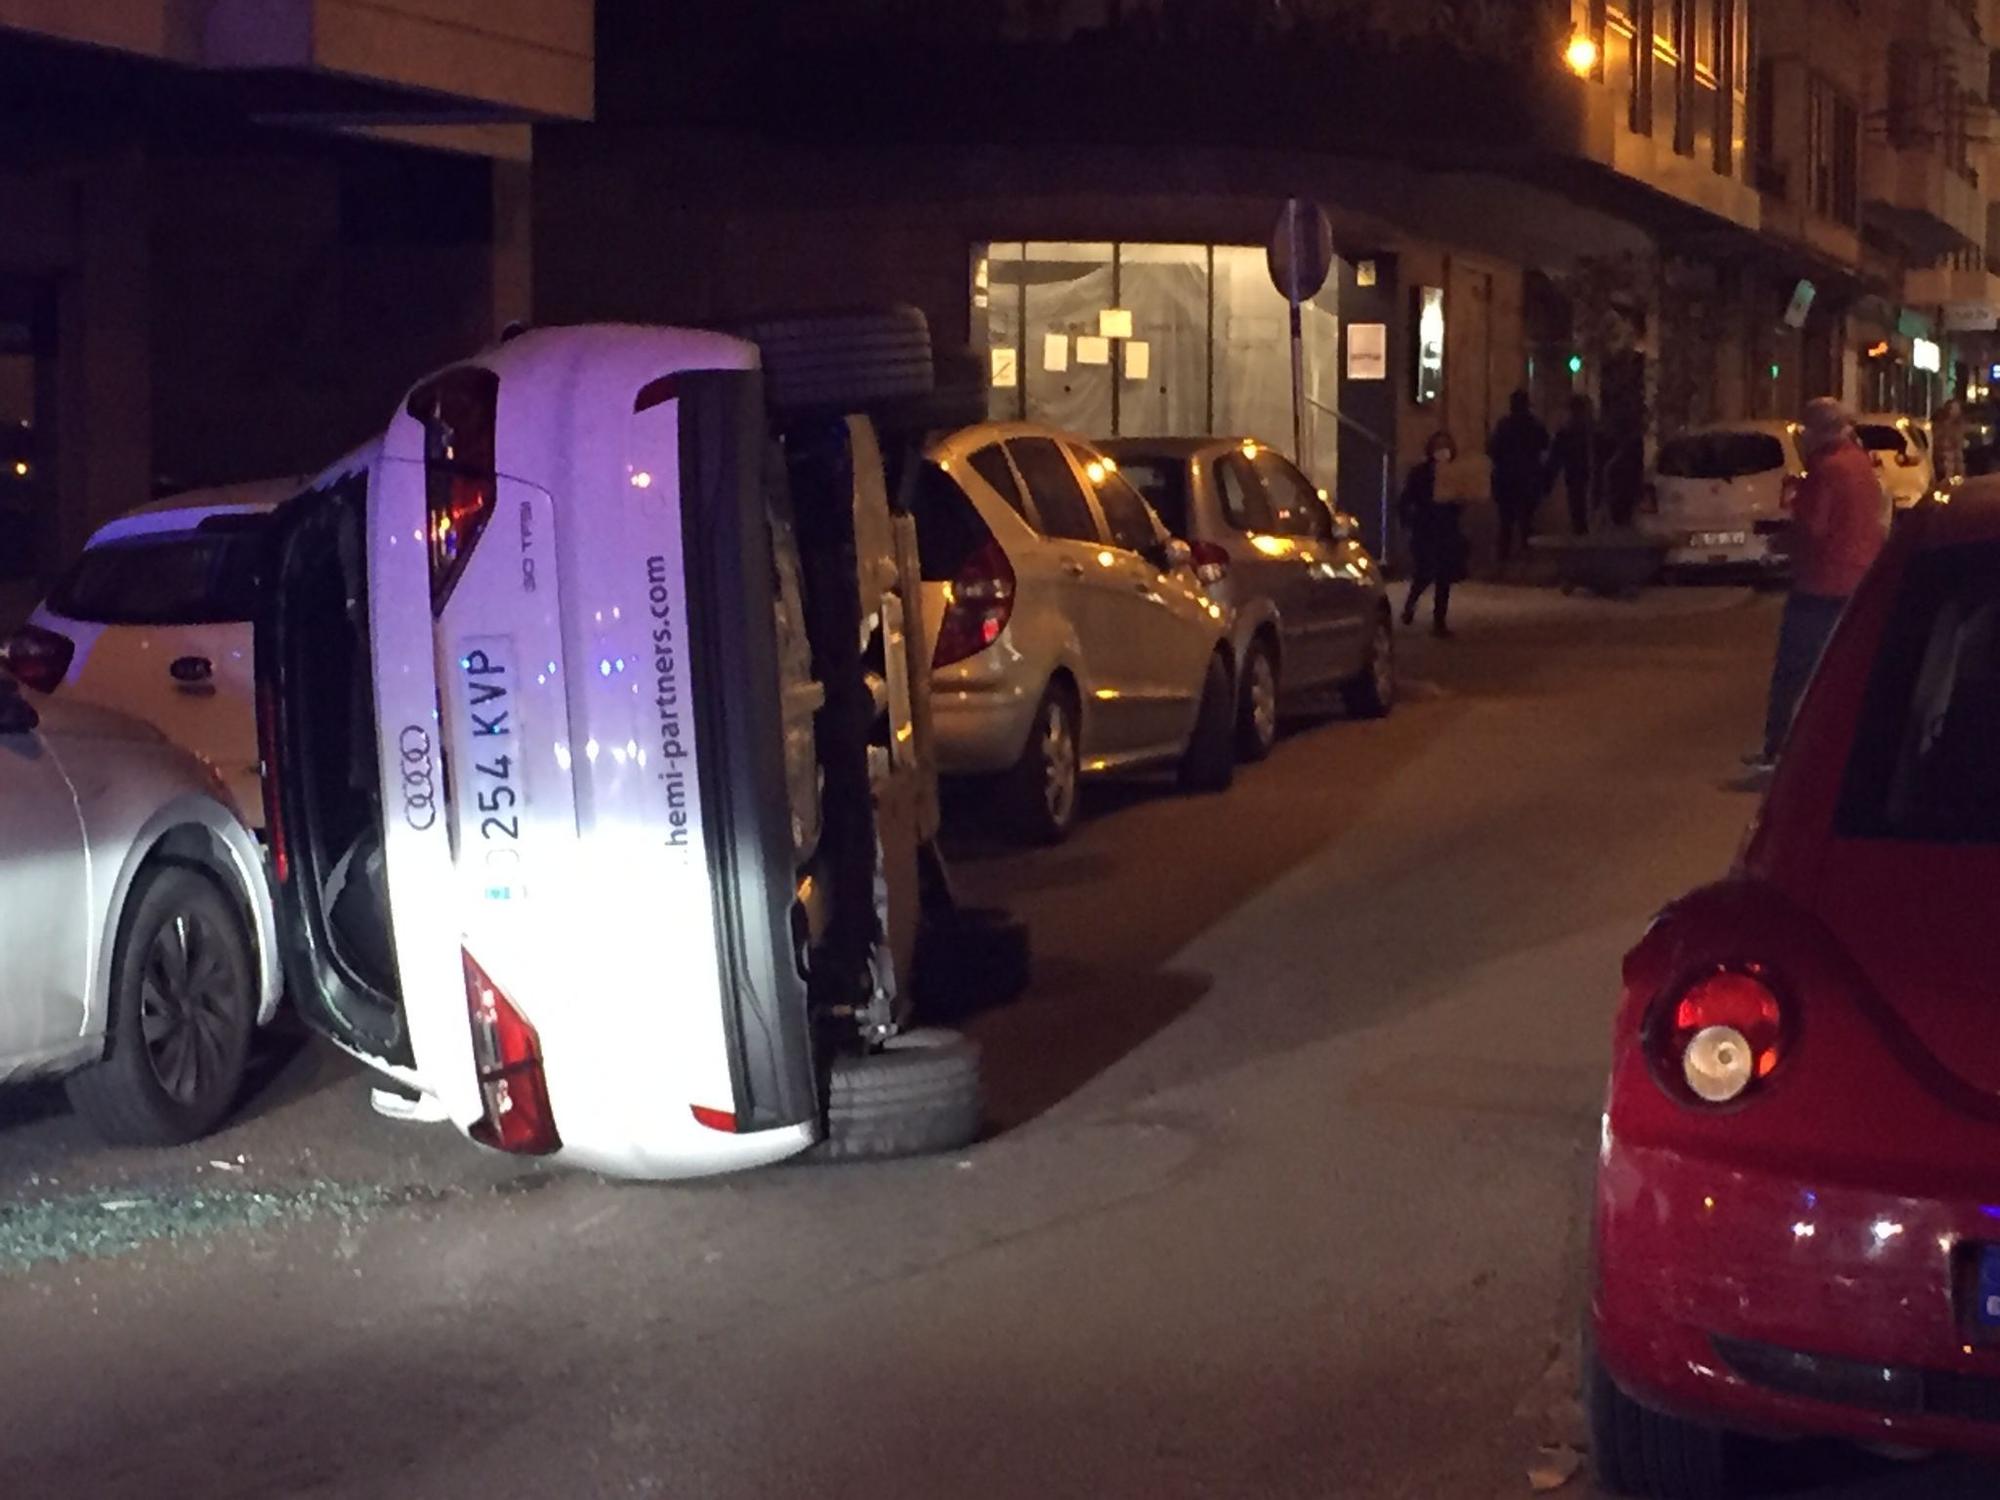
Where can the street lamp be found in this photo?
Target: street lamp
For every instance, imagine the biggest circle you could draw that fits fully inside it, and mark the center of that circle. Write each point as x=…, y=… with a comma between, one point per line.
x=1581, y=55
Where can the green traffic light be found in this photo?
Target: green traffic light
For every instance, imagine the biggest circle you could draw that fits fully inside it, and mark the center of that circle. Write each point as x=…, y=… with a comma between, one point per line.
x=1576, y=364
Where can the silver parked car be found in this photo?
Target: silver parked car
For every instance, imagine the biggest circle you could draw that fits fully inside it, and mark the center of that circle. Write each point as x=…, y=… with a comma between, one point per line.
x=1312, y=614
x=1068, y=632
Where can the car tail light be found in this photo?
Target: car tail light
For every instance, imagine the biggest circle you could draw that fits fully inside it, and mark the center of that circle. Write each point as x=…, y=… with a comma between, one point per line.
x=1788, y=493
x=511, y=1083
x=459, y=410
x=978, y=602
x=1720, y=1036
x=1210, y=560
x=40, y=658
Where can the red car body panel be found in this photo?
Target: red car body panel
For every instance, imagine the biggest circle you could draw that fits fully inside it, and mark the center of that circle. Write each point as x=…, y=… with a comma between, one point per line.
x=1838, y=1209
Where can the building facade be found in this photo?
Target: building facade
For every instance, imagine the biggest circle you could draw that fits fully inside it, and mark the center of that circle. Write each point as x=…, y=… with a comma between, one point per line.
x=231, y=230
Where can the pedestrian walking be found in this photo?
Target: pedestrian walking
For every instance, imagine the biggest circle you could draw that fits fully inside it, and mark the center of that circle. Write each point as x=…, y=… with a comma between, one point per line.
x=1573, y=457
x=1518, y=448
x=1948, y=445
x=1840, y=520
x=1437, y=542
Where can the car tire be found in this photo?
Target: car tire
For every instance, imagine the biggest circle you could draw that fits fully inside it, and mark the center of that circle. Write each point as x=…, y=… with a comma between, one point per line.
x=845, y=362
x=920, y=1093
x=183, y=1006
x=1257, y=704
x=1639, y=1452
x=1371, y=692
x=1209, y=762
x=1045, y=787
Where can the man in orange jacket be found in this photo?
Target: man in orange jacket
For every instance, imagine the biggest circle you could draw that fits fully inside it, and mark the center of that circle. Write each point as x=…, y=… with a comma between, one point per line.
x=1840, y=521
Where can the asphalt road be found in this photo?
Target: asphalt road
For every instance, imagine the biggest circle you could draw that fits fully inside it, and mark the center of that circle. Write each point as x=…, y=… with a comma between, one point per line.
x=1285, y=1193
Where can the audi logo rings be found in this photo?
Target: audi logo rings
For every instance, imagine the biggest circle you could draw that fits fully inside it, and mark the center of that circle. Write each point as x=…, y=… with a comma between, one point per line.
x=420, y=809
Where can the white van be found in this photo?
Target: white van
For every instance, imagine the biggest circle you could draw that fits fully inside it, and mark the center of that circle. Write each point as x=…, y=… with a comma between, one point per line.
x=525, y=679
x=1722, y=495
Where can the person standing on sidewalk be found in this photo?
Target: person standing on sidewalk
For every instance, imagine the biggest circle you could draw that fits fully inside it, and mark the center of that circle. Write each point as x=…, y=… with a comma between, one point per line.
x=1518, y=447
x=1840, y=522
x=1573, y=458
x=1437, y=545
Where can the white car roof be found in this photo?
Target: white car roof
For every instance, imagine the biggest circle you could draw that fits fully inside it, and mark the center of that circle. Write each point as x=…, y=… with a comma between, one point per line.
x=967, y=440
x=182, y=511
x=1771, y=427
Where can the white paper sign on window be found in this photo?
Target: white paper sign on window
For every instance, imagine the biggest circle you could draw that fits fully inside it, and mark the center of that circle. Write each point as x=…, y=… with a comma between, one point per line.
x=1368, y=351
x=1055, y=353
x=1093, y=350
x=1138, y=359
x=1006, y=369
x=1115, y=323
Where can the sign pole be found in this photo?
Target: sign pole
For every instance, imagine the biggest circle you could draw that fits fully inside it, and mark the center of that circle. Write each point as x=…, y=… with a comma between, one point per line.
x=1298, y=346
x=1300, y=257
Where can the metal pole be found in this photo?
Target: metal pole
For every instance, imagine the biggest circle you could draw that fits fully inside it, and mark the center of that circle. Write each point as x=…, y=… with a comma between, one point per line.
x=1298, y=339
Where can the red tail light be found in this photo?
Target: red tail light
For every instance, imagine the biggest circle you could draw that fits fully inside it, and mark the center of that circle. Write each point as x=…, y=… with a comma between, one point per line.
x=511, y=1084
x=267, y=776
x=1211, y=561
x=1722, y=1036
x=459, y=410
x=40, y=658
x=979, y=601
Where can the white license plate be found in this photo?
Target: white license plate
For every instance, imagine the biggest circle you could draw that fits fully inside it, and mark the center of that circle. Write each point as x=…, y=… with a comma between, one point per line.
x=491, y=781
x=1719, y=539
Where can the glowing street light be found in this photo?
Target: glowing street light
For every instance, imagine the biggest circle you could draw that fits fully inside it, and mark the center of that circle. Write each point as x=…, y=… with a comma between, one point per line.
x=1581, y=55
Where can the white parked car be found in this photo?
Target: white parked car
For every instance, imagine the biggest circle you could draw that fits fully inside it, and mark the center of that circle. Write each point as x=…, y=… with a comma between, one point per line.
x=1722, y=496
x=136, y=924
x=525, y=676
x=153, y=619
x=1069, y=632
x=1901, y=449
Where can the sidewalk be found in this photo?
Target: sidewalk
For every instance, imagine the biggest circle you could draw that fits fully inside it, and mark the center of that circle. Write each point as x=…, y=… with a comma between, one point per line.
x=1477, y=605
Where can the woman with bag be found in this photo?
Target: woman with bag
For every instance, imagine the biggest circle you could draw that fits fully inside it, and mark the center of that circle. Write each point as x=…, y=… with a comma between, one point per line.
x=1438, y=549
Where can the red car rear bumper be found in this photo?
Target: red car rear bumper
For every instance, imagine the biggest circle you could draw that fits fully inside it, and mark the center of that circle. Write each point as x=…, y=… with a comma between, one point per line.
x=1766, y=1302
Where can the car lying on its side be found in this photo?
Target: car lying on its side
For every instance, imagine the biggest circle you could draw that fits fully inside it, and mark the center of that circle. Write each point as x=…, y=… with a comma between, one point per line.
x=1070, y=634
x=154, y=620
x=1311, y=610
x=135, y=920
x=564, y=827
x=1795, y=1223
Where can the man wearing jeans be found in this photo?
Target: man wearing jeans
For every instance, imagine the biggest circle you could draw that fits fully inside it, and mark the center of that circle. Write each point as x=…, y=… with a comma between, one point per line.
x=1840, y=521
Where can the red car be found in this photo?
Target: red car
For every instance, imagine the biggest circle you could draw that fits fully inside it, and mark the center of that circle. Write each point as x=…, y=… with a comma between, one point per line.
x=1798, y=1186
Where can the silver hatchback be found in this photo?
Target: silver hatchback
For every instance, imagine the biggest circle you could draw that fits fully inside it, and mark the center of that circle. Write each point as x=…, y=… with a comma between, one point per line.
x=1311, y=612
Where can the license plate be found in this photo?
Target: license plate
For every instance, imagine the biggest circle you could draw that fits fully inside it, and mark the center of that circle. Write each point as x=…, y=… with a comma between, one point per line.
x=493, y=793
x=1719, y=539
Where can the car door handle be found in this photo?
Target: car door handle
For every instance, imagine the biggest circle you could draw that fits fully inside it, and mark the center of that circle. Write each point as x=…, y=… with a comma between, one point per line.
x=1072, y=568
x=192, y=671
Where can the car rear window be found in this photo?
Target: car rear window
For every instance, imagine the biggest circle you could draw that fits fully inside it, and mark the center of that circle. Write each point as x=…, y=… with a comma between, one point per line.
x=1879, y=439
x=1926, y=763
x=948, y=526
x=1164, y=483
x=205, y=576
x=1721, y=455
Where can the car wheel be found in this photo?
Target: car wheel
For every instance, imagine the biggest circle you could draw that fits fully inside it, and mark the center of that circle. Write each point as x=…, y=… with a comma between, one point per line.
x=1257, y=710
x=1640, y=1452
x=1209, y=763
x=845, y=362
x=1044, y=787
x=1371, y=692
x=919, y=1093
x=183, y=1005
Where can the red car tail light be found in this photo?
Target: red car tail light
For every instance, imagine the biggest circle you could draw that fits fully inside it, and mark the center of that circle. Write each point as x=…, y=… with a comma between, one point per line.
x=1721, y=1036
x=459, y=411
x=1210, y=560
x=979, y=600
x=39, y=658
x=511, y=1084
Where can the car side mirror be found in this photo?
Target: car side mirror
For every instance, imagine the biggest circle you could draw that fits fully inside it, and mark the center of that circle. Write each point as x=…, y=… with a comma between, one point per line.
x=17, y=714
x=1170, y=555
